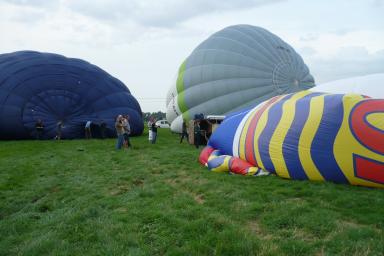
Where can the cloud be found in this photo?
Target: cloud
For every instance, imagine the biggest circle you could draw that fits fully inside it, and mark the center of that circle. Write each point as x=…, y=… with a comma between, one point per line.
x=377, y=3
x=342, y=31
x=33, y=3
x=347, y=62
x=309, y=37
x=26, y=12
x=25, y=15
x=166, y=13
x=306, y=51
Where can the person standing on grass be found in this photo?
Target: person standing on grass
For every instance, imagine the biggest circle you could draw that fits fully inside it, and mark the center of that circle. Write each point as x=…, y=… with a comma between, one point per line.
x=39, y=126
x=184, y=132
x=59, y=128
x=119, y=131
x=154, y=131
x=103, y=127
x=88, y=132
x=127, y=131
x=197, y=133
x=150, y=121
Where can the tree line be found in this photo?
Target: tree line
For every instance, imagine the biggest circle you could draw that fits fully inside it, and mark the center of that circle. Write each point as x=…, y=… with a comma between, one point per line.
x=158, y=115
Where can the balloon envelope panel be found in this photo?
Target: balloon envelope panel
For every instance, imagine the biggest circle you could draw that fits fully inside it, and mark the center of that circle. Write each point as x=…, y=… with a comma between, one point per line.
x=54, y=88
x=237, y=67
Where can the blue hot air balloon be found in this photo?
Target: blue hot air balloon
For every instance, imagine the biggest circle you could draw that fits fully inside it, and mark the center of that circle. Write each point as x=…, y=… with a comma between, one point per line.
x=55, y=89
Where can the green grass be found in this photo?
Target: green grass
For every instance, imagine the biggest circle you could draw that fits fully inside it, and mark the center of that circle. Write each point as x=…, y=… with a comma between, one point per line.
x=82, y=197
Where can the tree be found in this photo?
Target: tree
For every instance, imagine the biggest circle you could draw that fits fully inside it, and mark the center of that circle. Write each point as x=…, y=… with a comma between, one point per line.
x=157, y=115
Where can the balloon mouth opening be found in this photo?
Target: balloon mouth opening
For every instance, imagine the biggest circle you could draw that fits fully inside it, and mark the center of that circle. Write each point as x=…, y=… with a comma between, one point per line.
x=284, y=78
x=56, y=106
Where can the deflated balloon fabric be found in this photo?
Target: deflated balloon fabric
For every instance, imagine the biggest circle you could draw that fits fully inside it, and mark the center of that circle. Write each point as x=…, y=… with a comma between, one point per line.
x=306, y=136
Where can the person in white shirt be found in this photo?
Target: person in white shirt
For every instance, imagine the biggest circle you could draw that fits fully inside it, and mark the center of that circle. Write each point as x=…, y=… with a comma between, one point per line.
x=127, y=131
x=88, y=132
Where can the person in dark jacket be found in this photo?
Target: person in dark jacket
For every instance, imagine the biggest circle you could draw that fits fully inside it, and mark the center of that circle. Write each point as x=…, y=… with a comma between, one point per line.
x=103, y=128
x=154, y=131
x=39, y=126
x=197, y=134
x=184, y=133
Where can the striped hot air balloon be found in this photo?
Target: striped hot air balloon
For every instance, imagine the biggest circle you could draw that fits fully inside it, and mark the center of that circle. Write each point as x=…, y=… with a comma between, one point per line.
x=308, y=136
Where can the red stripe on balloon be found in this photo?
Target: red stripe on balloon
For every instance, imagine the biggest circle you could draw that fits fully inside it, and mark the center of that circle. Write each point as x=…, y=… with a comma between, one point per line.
x=249, y=148
x=239, y=166
x=368, y=135
x=369, y=169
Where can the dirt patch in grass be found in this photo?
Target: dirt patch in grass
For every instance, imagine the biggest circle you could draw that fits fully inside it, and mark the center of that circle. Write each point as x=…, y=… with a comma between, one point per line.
x=54, y=189
x=254, y=227
x=120, y=189
x=353, y=225
x=302, y=235
x=349, y=224
x=321, y=252
x=199, y=199
x=121, y=210
x=181, y=182
x=138, y=182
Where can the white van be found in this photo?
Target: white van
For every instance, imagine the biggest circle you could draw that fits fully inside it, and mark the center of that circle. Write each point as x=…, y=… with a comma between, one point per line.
x=162, y=124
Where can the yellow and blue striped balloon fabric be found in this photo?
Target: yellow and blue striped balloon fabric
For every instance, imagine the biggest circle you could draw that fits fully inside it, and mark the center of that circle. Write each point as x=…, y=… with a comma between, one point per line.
x=317, y=136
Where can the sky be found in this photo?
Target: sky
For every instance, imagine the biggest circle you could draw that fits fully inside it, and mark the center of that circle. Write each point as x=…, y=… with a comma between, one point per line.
x=143, y=42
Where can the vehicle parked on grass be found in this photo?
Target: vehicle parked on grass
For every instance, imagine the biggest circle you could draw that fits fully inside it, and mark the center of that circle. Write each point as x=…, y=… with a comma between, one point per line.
x=208, y=125
x=162, y=124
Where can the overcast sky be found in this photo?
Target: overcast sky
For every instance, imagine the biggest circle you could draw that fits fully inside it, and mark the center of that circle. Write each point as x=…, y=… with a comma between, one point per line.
x=143, y=42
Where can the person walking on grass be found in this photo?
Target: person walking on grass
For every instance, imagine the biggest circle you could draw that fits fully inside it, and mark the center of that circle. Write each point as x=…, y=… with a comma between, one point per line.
x=59, y=128
x=197, y=134
x=127, y=131
x=154, y=131
x=103, y=128
x=184, y=133
x=119, y=131
x=88, y=132
x=39, y=126
x=150, y=121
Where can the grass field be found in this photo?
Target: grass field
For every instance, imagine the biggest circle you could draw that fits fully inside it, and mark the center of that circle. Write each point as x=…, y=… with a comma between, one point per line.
x=82, y=197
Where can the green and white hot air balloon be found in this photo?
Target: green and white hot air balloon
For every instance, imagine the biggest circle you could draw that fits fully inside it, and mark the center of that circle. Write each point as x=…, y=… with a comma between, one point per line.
x=235, y=68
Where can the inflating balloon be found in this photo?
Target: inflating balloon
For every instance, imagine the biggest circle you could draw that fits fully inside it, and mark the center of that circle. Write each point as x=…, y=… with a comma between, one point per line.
x=235, y=68
x=304, y=136
x=54, y=88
